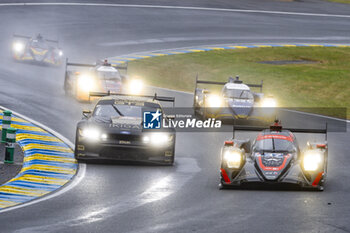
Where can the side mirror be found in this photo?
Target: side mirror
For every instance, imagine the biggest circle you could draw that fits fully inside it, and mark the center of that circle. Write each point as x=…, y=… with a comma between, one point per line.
x=86, y=113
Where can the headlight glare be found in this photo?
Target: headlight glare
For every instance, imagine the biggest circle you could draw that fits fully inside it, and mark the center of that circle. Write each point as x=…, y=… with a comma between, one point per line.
x=91, y=134
x=135, y=86
x=157, y=139
x=233, y=158
x=214, y=101
x=18, y=47
x=269, y=102
x=312, y=160
x=85, y=83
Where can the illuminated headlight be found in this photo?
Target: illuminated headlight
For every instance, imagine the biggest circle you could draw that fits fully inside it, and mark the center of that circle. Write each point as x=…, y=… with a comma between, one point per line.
x=135, y=86
x=269, y=102
x=91, y=134
x=85, y=83
x=18, y=47
x=312, y=160
x=60, y=53
x=214, y=101
x=233, y=158
x=157, y=139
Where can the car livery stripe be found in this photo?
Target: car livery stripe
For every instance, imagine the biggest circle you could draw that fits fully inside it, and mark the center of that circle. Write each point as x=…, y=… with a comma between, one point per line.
x=317, y=179
x=48, y=164
x=125, y=58
x=274, y=136
x=225, y=176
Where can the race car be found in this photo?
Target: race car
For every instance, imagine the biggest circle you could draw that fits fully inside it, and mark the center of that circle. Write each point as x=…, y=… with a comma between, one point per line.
x=114, y=130
x=235, y=102
x=99, y=77
x=274, y=158
x=37, y=50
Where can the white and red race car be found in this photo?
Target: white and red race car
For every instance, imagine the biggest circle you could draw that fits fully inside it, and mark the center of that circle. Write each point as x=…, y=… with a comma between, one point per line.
x=99, y=77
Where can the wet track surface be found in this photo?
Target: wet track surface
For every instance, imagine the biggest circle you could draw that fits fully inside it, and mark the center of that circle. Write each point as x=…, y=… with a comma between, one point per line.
x=183, y=198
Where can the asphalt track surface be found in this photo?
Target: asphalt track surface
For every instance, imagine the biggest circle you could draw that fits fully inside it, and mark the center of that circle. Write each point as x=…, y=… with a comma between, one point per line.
x=183, y=198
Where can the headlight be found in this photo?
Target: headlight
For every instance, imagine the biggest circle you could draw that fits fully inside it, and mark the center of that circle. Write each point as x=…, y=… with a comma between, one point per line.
x=91, y=134
x=18, y=47
x=233, y=158
x=135, y=86
x=85, y=83
x=312, y=160
x=269, y=102
x=60, y=53
x=157, y=139
x=214, y=101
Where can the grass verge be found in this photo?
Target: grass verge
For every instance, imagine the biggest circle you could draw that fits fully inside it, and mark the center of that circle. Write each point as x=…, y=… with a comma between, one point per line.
x=340, y=1
x=322, y=82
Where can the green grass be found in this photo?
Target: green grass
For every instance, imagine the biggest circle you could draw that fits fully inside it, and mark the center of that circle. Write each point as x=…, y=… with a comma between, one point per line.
x=340, y=1
x=325, y=83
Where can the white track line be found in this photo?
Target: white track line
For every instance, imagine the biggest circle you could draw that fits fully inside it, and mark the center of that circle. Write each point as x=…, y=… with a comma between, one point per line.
x=71, y=184
x=174, y=7
x=160, y=189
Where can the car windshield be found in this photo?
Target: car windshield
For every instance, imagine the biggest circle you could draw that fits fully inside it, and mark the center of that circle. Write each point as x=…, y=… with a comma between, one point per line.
x=274, y=145
x=237, y=94
x=117, y=110
x=39, y=44
x=109, y=75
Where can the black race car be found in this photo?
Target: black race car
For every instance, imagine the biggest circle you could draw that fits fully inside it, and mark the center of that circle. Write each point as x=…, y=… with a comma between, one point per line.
x=274, y=158
x=36, y=49
x=114, y=130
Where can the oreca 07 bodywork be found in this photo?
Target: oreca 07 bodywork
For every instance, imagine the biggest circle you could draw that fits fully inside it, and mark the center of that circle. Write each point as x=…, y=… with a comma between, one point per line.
x=274, y=158
x=37, y=50
x=236, y=101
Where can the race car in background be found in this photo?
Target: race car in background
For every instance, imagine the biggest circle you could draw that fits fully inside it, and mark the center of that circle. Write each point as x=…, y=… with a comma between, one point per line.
x=99, y=77
x=235, y=102
x=37, y=50
x=114, y=130
x=274, y=158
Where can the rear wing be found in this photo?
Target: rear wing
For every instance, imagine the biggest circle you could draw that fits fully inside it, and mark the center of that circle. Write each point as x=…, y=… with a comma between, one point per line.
x=154, y=97
x=231, y=80
x=29, y=37
x=294, y=130
x=93, y=65
x=21, y=36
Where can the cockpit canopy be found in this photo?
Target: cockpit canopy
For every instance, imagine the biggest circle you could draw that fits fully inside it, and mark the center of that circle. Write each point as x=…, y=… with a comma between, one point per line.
x=39, y=44
x=268, y=141
x=237, y=91
x=108, y=73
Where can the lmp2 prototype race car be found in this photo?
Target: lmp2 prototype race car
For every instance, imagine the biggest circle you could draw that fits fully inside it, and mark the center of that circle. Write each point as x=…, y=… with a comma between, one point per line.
x=236, y=102
x=99, y=77
x=274, y=158
x=114, y=130
x=37, y=50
